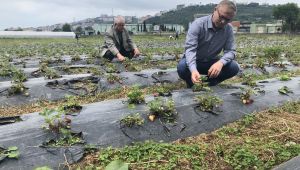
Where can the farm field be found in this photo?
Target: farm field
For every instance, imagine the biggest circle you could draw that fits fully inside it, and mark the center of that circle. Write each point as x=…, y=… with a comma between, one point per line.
x=60, y=100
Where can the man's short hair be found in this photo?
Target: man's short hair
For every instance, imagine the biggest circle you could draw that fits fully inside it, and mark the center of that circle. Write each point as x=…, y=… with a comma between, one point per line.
x=119, y=19
x=229, y=3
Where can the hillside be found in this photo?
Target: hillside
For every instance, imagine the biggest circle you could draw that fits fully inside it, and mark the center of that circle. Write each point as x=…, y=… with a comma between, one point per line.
x=259, y=14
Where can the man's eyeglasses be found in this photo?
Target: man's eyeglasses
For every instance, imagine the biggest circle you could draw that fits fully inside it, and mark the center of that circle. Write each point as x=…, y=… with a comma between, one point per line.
x=222, y=18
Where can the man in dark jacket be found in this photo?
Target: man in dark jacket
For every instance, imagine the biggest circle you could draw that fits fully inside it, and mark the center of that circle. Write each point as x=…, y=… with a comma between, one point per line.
x=118, y=43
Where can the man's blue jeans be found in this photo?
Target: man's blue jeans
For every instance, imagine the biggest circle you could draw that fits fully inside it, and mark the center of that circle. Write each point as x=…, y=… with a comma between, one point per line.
x=228, y=71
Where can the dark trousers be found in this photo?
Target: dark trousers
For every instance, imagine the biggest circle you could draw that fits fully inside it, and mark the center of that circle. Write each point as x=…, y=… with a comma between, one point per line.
x=109, y=55
x=228, y=71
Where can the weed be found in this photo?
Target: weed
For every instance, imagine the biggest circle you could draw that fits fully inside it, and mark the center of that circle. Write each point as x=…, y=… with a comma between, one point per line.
x=242, y=158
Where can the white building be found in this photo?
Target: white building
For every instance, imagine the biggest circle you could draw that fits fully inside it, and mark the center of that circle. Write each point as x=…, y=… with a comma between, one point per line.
x=33, y=34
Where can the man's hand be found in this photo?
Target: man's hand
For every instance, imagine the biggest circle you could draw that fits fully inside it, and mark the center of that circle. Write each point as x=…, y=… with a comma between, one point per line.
x=215, y=69
x=136, y=52
x=195, y=76
x=120, y=57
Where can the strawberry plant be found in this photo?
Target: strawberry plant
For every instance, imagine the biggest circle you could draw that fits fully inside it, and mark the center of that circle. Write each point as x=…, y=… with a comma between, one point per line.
x=284, y=77
x=18, y=88
x=162, y=91
x=10, y=152
x=71, y=105
x=50, y=73
x=202, y=85
x=111, y=68
x=19, y=76
x=111, y=78
x=208, y=102
x=59, y=124
x=260, y=63
x=162, y=108
x=245, y=96
x=135, y=96
x=272, y=54
x=76, y=57
x=248, y=80
x=285, y=90
x=131, y=120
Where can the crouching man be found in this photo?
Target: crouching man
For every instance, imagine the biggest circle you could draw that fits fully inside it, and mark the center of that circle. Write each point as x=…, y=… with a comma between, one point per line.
x=206, y=38
x=118, y=43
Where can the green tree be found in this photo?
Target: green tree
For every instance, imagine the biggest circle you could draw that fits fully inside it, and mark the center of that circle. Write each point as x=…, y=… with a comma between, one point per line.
x=78, y=30
x=289, y=13
x=57, y=29
x=66, y=28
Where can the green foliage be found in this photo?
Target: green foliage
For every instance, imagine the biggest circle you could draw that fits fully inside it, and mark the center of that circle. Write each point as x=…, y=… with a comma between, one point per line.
x=131, y=120
x=6, y=69
x=76, y=57
x=248, y=80
x=208, y=102
x=242, y=158
x=11, y=152
x=19, y=76
x=245, y=96
x=284, y=77
x=50, y=73
x=132, y=66
x=43, y=168
x=117, y=165
x=59, y=124
x=71, y=105
x=163, y=90
x=272, y=54
x=260, y=62
x=17, y=88
x=156, y=155
x=163, y=108
x=247, y=120
x=66, y=138
x=111, y=78
x=135, y=95
x=66, y=28
x=285, y=90
x=53, y=119
x=289, y=13
x=202, y=85
x=111, y=68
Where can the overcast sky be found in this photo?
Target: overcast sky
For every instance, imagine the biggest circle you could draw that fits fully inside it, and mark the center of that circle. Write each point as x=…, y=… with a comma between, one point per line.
x=26, y=13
